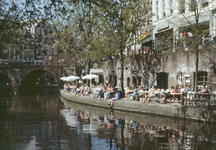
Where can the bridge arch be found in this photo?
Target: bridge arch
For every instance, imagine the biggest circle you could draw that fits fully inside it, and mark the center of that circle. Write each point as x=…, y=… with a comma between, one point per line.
x=29, y=80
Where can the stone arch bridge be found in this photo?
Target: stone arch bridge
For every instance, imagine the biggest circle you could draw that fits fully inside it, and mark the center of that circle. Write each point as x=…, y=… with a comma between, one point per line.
x=26, y=76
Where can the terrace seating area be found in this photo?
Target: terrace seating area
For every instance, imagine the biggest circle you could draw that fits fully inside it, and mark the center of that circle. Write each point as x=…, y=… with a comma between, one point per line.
x=144, y=95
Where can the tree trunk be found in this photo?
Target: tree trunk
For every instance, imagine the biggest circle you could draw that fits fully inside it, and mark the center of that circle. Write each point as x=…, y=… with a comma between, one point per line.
x=122, y=72
x=197, y=49
x=88, y=65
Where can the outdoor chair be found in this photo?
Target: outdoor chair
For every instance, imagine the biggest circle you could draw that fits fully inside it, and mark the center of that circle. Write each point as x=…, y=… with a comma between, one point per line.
x=87, y=91
x=133, y=97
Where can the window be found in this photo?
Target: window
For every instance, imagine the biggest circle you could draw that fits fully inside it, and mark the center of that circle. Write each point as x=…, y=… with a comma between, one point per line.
x=164, y=8
x=128, y=81
x=139, y=80
x=110, y=78
x=205, y=3
x=134, y=78
x=202, y=77
x=157, y=11
x=181, y=6
x=171, y=6
x=179, y=77
x=115, y=80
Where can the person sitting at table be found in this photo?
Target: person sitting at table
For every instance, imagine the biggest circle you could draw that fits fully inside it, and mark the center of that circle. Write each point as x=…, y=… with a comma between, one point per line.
x=128, y=92
x=140, y=93
x=204, y=89
x=115, y=98
x=150, y=89
x=146, y=88
x=167, y=95
x=108, y=91
x=175, y=91
x=133, y=94
x=113, y=91
x=152, y=94
x=138, y=87
x=177, y=88
x=85, y=90
x=78, y=90
x=182, y=91
x=103, y=91
x=99, y=90
x=73, y=88
x=189, y=89
x=133, y=86
x=65, y=87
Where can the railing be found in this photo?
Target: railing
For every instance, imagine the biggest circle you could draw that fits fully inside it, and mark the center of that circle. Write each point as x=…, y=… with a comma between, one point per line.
x=199, y=100
x=22, y=63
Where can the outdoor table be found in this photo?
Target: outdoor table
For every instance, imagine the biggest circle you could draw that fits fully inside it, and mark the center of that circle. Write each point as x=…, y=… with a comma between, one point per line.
x=175, y=93
x=129, y=92
x=144, y=93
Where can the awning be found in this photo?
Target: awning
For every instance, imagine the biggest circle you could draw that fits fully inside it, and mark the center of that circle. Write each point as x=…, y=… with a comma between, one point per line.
x=96, y=71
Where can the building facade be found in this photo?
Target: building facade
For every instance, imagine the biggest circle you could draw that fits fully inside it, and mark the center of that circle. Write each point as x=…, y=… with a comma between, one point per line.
x=35, y=44
x=167, y=56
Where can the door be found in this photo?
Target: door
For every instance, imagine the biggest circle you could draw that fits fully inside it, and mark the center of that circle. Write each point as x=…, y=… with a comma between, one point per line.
x=162, y=80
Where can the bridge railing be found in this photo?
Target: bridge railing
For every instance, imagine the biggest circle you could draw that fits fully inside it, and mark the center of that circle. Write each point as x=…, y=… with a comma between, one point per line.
x=22, y=63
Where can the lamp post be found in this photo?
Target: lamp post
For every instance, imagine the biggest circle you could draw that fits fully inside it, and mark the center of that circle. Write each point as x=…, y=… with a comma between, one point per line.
x=37, y=87
x=19, y=88
x=11, y=88
x=49, y=87
x=7, y=87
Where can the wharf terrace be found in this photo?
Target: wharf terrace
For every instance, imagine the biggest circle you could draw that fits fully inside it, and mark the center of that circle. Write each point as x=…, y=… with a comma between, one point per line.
x=170, y=110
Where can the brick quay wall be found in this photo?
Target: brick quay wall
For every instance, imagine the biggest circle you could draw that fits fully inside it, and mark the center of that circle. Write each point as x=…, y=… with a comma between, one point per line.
x=174, y=111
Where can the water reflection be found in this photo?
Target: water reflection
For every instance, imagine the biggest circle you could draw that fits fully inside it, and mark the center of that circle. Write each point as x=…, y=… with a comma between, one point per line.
x=132, y=134
x=46, y=122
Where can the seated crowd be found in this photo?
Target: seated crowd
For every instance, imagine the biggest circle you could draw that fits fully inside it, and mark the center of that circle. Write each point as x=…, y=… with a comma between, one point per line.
x=137, y=92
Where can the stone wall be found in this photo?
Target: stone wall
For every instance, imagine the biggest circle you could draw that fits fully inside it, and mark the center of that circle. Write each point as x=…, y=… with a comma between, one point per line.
x=147, y=67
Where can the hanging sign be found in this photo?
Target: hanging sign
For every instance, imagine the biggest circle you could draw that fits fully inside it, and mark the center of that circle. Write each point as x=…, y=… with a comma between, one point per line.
x=147, y=33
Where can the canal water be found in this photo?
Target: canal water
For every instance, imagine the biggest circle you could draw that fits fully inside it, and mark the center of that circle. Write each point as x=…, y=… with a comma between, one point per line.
x=47, y=121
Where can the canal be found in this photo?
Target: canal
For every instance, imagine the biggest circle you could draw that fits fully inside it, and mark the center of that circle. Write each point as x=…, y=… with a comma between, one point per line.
x=47, y=121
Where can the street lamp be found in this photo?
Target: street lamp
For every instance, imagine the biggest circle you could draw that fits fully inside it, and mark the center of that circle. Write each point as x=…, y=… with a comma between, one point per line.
x=37, y=87
x=19, y=88
x=11, y=88
x=8, y=87
x=49, y=87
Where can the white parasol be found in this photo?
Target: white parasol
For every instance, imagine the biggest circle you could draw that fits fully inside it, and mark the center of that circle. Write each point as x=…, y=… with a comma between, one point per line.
x=64, y=78
x=90, y=77
x=72, y=78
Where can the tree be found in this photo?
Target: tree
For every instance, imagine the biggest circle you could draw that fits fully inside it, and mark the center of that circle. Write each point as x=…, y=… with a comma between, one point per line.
x=77, y=29
x=10, y=24
x=121, y=21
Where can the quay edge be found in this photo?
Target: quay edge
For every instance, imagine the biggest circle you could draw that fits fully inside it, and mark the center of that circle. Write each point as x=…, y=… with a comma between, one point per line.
x=175, y=111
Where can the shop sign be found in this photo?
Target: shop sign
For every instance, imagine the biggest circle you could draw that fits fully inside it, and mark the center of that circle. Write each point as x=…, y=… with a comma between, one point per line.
x=147, y=33
x=162, y=27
